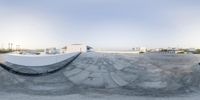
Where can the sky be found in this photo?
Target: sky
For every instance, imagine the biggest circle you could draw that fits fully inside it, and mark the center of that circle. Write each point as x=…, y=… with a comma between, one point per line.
x=102, y=24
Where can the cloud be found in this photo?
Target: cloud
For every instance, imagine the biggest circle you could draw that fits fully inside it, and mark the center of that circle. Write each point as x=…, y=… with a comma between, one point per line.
x=102, y=23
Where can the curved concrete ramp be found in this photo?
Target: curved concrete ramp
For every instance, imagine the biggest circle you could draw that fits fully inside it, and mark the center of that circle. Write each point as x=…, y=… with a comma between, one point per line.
x=39, y=70
x=36, y=60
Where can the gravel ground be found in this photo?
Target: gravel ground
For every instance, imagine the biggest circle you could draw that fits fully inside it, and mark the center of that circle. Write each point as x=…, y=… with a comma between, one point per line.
x=102, y=76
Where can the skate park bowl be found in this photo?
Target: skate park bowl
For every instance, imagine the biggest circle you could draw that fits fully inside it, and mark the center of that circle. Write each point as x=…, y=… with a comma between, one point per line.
x=36, y=60
x=34, y=65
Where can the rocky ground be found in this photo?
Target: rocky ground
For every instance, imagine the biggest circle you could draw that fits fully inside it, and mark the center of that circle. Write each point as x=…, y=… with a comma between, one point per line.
x=111, y=76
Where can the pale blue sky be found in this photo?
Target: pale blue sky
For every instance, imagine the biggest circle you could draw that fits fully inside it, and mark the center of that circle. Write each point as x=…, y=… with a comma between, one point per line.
x=100, y=23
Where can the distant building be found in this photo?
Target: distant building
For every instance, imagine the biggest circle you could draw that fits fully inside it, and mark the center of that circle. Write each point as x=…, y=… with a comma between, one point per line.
x=192, y=50
x=76, y=48
x=140, y=49
x=173, y=51
x=52, y=51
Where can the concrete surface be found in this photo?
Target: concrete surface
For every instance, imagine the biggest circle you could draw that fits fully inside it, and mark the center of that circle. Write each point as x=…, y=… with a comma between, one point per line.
x=99, y=76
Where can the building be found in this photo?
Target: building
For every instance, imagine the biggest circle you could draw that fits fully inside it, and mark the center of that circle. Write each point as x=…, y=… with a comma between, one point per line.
x=140, y=49
x=173, y=51
x=191, y=50
x=52, y=51
x=76, y=48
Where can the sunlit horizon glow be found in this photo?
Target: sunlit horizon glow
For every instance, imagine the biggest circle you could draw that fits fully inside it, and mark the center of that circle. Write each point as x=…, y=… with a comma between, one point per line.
x=103, y=24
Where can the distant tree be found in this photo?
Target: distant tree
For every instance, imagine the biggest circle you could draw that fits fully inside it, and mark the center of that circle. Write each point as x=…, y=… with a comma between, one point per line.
x=5, y=51
x=40, y=50
x=182, y=52
x=164, y=50
x=141, y=52
x=197, y=51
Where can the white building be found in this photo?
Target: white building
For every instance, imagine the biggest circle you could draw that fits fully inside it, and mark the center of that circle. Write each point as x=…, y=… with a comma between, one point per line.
x=140, y=49
x=76, y=48
x=191, y=50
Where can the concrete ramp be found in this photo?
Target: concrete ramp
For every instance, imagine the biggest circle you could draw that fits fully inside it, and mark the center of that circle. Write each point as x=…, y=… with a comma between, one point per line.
x=36, y=70
x=36, y=60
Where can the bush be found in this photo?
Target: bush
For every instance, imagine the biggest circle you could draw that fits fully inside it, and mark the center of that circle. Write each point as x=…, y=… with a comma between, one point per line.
x=197, y=51
x=141, y=52
x=5, y=51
